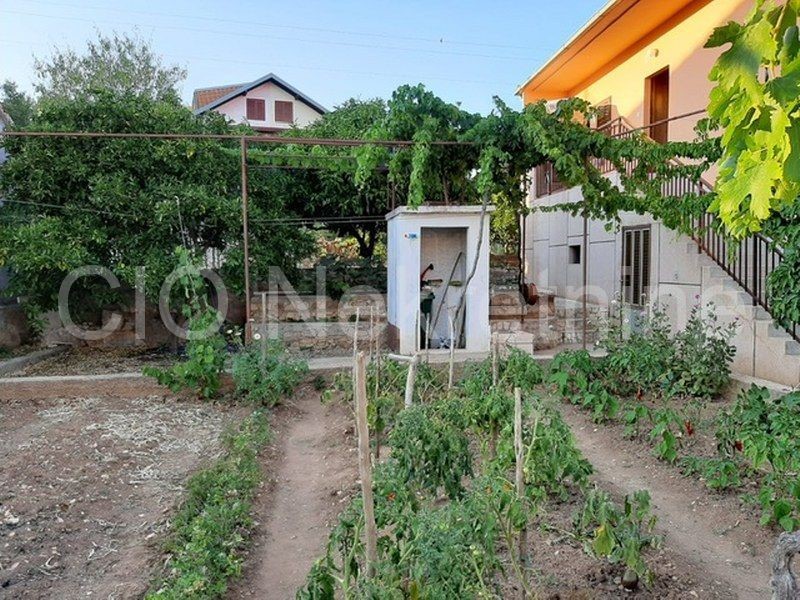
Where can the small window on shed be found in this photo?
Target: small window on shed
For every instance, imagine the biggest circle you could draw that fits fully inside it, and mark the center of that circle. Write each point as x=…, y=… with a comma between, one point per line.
x=256, y=109
x=575, y=254
x=284, y=111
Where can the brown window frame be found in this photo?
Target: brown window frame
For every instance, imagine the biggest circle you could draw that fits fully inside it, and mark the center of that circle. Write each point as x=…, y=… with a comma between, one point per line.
x=604, y=113
x=256, y=109
x=279, y=117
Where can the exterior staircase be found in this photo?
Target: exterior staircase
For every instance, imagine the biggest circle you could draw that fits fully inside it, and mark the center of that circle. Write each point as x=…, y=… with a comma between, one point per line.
x=733, y=276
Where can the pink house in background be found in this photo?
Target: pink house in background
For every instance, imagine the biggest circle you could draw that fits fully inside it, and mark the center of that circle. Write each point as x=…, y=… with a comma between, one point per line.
x=268, y=104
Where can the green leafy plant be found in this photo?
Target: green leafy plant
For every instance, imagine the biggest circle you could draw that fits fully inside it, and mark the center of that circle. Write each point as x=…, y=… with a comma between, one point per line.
x=665, y=433
x=206, y=348
x=619, y=535
x=718, y=473
x=756, y=102
x=266, y=375
x=764, y=431
x=205, y=544
x=703, y=354
x=571, y=371
x=430, y=452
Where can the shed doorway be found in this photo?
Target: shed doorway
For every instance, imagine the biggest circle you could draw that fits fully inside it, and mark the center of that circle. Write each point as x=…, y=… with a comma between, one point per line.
x=443, y=259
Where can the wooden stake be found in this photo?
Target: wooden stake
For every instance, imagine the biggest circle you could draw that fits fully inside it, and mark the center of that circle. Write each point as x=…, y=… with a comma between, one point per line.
x=355, y=332
x=365, y=464
x=494, y=360
x=263, y=333
x=452, y=350
x=427, y=339
x=410, y=380
x=519, y=451
x=371, y=329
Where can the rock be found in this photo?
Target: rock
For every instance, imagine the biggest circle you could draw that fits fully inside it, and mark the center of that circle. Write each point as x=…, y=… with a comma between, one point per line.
x=630, y=580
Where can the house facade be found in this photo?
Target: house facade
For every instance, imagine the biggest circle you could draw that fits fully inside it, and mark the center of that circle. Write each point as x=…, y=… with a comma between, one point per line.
x=268, y=104
x=642, y=63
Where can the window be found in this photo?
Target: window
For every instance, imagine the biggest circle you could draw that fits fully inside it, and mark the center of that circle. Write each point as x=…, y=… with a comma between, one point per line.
x=284, y=111
x=256, y=109
x=635, y=265
x=575, y=254
x=603, y=112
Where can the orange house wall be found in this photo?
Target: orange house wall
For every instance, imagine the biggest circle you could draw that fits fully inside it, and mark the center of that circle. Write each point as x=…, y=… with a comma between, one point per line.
x=680, y=47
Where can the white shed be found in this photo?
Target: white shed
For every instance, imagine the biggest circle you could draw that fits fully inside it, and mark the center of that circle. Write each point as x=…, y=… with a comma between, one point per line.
x=431, y=252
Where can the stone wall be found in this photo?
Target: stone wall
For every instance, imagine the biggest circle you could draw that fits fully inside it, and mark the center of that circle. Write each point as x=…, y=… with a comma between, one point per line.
x=326, y=338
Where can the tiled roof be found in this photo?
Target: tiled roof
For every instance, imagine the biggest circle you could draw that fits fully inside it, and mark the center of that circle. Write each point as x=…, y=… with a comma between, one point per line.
x=205, y=96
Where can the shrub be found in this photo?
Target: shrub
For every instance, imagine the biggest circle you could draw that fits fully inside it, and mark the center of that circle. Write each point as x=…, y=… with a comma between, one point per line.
x=639, y=363
x=703, y=355
x=264, y=376
x=765, y=432
x=206, y=348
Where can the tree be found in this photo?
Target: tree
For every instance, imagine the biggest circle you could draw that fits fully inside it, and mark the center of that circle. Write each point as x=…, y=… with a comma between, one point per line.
x=124, y=202
x=424, y=172
x=17, y=104
x=328, y=189
x=756, y=101
x=118, y=63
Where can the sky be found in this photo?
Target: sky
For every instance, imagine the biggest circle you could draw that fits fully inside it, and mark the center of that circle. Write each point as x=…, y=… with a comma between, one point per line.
x=465, y=51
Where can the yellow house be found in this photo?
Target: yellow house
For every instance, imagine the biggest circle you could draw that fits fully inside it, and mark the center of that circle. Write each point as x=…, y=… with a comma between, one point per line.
x=642, y=58
x=642, y=63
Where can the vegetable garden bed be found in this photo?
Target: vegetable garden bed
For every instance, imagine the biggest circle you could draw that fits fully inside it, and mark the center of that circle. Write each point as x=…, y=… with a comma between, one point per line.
x=87, y=487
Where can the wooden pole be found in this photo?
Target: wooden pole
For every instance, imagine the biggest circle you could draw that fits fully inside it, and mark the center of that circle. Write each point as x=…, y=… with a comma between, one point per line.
x=371, y=329
x=585, y=268
x=519, y=451
x=355, y=332
x=365, y=464
x=263, y=333
x=452, y=350
x=248, y=333
x=495, y=368
x=427, y=339
x=410, y=380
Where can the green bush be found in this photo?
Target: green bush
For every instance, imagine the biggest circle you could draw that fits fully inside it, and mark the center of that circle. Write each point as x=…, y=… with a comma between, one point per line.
x=265, y=375
x=206, y=348
x=703, y=355
x=764, y=431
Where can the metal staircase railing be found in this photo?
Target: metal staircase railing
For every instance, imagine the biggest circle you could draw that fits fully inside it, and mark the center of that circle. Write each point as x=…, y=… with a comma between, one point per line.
x=749, y=262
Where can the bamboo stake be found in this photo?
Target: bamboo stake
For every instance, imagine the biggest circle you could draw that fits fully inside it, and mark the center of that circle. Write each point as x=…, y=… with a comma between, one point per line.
x=452, y=350
x=365, y=464
x=519, y=451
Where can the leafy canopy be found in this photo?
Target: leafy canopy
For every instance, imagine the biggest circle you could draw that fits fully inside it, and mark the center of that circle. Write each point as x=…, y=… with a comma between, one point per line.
x=125, y=203
x=117, y=63
x=756, y=101
x=17, y=104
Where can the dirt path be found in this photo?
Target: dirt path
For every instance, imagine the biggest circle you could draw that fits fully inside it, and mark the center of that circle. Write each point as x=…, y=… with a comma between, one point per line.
x=312, y=474
x=709, y=530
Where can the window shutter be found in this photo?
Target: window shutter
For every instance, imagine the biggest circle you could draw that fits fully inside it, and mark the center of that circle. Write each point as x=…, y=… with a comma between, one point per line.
x=256, y=109
x=284, y=111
